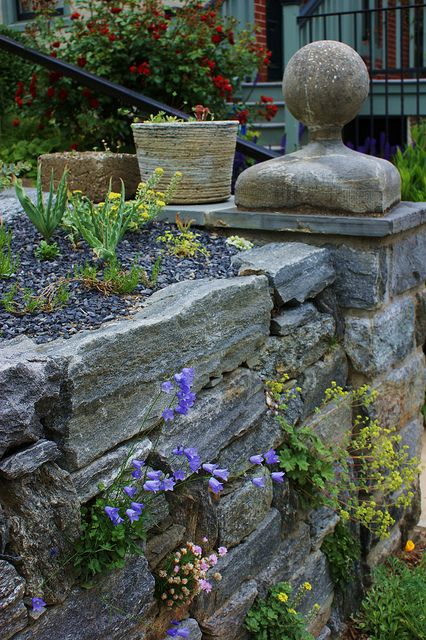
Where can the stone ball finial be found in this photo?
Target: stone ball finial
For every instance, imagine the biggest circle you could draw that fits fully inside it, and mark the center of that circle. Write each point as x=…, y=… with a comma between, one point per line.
x=325, y=84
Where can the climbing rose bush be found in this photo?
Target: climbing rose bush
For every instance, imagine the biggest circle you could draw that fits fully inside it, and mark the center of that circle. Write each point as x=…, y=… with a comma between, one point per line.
x=182, y=57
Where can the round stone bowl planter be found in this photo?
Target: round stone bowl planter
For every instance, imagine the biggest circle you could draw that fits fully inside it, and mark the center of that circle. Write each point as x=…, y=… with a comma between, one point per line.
x=202, y=151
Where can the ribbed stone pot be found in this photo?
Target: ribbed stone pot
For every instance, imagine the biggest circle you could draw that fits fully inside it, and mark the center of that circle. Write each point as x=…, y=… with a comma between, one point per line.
x=202, y=151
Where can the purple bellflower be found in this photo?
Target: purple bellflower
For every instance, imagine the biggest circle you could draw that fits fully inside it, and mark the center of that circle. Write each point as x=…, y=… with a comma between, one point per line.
x=271, y=457
x=114, y=515
x=259, y=482
x=278, y=476
x=152, y=485
x=256, y=459
x=130, y=491
x=215, y=485
x=38, y=604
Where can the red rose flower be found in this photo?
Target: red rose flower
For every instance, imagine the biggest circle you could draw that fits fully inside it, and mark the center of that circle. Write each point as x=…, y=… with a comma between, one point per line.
x=116, y=9
x=19, y=102
x=231, y=39
x=216, y=39
x=73, y=146
x=242, y=116
x=63, y=94
x=112, y=37
x=19, y=88
x=94, y=103
x=144, y=69
x=16, y=122
x=81, y=61
x=50, y=92
x=133, y=68
x=54, y=54
x=219, y=29
x=266, y=99
x=56, y=44
x=75, y=16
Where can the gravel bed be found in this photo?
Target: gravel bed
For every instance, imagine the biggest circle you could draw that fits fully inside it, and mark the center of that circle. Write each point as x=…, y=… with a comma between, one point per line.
x=88, y=308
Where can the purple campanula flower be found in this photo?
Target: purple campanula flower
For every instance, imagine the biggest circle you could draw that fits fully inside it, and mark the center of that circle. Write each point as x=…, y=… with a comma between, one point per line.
x=114, y=515
x=38, y=604
x=138, y=464
x=132, y=514
x=223, y=474
x=215, y=485
x=152, y=485
x=209, y=467
x=130, y=491
x=179, y=474
x=167, y=484
x=271, y=456
x=182, y=409
x=137, y=506
x=154, y=475
x=259, y=482
x=278, y=476
x=194, y=463
x=168, y=414
x=167, y=386
x=172, y=632
x=190, y=452
x=256, y=459
x=178, y=451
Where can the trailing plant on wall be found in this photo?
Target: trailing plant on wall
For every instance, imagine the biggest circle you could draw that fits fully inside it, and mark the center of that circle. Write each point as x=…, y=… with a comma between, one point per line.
x=341, y=549
x=364, y=478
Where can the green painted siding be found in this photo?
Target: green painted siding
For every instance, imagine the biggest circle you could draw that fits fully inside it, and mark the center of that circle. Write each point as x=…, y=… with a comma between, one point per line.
x=243, y=10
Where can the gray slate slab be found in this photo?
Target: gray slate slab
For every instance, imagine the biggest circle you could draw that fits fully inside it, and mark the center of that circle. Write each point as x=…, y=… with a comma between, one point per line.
x=27, y=461
x=296, y=271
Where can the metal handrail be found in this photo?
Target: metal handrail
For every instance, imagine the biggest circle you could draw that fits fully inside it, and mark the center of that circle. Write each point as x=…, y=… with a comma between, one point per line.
x=404, y=7
x=117, y=91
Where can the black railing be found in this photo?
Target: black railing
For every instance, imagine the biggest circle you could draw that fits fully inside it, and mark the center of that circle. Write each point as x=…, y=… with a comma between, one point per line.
x=116, y=91
x=392, y=42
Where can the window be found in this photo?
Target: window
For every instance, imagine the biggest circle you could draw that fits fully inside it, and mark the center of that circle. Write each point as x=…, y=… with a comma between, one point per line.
x=25, y=9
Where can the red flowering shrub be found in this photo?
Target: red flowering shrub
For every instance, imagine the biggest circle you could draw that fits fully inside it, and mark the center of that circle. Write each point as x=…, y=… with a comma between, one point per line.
x=180, y=56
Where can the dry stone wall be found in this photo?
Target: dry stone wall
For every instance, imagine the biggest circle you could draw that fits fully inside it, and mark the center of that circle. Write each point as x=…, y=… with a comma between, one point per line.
x=70, y=410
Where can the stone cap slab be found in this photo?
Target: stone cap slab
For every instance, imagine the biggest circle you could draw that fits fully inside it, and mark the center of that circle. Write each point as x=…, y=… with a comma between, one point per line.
x=296, y=271
x=29, y=460
x=225, y=215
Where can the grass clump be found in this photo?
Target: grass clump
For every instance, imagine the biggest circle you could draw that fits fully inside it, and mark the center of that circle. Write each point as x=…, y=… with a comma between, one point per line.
x=8, y=264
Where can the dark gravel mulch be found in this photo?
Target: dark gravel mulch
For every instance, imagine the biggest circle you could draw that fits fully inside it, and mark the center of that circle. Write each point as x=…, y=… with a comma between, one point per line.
x=88, y=308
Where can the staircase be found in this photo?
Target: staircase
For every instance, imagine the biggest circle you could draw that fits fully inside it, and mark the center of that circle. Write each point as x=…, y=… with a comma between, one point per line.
x=271, y=133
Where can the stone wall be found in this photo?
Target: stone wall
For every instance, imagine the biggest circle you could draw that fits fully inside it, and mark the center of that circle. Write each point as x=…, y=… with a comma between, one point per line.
x=70, y=410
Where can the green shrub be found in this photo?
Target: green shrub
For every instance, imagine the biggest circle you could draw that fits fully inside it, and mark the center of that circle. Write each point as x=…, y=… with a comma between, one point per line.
x=395, y=606
x=411, y=164
x=341, y=549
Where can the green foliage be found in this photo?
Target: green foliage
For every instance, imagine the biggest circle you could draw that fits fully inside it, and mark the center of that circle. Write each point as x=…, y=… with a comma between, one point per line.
x=341, y=549
x=364, y=478
x=8, y=264
x=276, y=617
x=190, y=55
x=12, y=68
x=103, y=546
x=114, y=280
x=240, y=243
x=394, y=608
x=184, y=243
x=45, y=216
x=46, y=251
x=411, y=164
x=308, y=463
x=9, y=171
x=22, y=300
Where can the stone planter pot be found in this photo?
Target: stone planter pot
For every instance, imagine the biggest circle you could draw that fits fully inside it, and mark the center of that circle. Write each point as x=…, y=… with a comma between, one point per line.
x=91, y=172
x=202, y=151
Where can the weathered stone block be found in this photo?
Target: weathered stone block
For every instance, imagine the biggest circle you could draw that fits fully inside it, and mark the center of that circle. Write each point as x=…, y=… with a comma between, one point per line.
x=242, y=510
x=242, y=563
x=315, y=571
x=318, y=377
x=91, y=172
x=384, y=548
x=29, y=389
x=96, y=614
x=44, y=518
x=408, y=261
x=225, y=412
x=411, y=437
x=266, y=434
x=377, y=342
x=288, y=557
x=295, y=271
x=361, y=275
x=160, y=545
x=113, y=373
x=420, y=328
x=227, y=622
x=105, y=469
x=300, y=348
x=192, y=626
x=322, y=522
x=13, y=613
x=292, y=318
x=400, y=393
x=4, y=531
x=194, y=507
x=333, y=422
x=29, y=460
